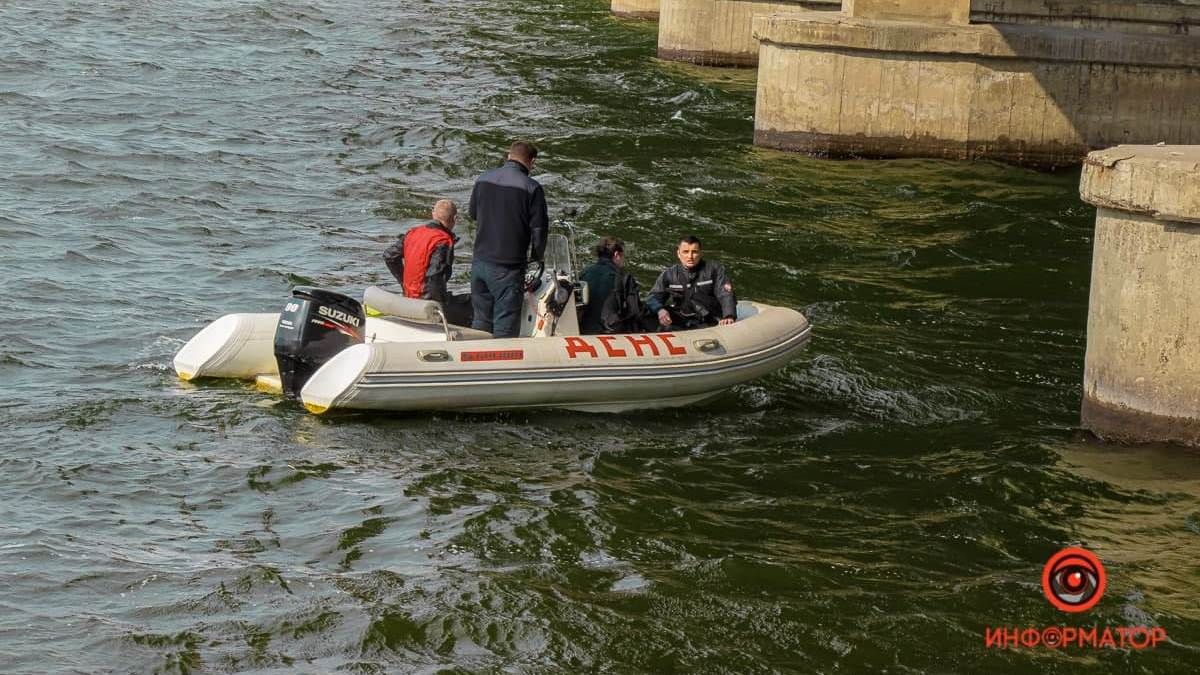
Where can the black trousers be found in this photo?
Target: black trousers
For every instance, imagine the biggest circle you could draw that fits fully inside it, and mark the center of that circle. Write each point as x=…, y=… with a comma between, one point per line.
x=687, y=321
x=497, y=292
x=457, y=308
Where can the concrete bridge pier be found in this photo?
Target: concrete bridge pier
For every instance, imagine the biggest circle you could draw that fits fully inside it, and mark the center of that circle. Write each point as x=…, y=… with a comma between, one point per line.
x=1141, y=379
x=720, y=32
x=639, y=9
x=914, y=78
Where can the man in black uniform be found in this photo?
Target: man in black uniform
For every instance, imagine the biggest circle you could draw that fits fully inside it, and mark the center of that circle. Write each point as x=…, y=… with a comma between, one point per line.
x=694, y=293
x=509, y=209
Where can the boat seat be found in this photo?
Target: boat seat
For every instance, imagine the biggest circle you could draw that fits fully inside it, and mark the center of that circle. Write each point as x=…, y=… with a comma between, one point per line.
x=418, y=311
x=409, y=309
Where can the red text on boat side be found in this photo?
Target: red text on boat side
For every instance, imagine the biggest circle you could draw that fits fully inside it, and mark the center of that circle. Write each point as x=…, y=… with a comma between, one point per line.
x=494, y=355
x=614, y=346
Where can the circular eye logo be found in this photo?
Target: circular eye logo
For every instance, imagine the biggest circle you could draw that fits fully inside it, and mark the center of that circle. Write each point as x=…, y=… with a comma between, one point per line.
x=1073, y=580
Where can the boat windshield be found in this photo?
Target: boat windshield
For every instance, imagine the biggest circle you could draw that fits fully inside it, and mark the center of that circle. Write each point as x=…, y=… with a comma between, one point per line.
x=558, y=254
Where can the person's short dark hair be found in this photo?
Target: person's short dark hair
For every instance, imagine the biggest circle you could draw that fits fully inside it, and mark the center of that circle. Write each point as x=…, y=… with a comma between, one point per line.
x=691, y=239
x=523, y=150
x=608, y=247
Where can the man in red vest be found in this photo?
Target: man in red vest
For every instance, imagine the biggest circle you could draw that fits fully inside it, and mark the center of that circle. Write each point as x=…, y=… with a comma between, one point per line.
x=422, y=260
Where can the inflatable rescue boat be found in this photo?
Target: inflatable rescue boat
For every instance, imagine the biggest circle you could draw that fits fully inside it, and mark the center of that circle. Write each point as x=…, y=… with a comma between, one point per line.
x=394, y=353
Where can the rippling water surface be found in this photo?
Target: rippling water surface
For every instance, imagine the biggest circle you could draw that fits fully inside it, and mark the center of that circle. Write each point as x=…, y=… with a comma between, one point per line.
x=871, y=508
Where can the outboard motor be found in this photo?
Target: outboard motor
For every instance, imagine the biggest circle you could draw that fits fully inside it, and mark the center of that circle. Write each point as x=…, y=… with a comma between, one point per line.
x=314, y=326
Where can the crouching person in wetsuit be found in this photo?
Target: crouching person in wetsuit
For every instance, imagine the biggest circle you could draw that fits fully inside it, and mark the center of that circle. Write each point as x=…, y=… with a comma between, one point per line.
x=422, y=260
x=614, y=297
x=693, y=294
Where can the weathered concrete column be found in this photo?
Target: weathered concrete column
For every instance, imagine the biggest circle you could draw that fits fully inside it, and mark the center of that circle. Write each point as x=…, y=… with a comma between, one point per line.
x=836, y=85
x=932, y=11
x=1129, y=16
x=1141, y=378
x=641, y=9
x=720, y=32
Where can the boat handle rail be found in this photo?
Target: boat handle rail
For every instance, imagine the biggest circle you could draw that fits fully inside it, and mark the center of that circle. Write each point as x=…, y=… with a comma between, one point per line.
x=434, y=355
x=707, y=345
x=445, y=324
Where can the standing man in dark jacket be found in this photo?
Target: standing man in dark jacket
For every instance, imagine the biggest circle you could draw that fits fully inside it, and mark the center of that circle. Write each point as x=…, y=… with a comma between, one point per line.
x=422, y=260
x=509, y=209
x=694, y=293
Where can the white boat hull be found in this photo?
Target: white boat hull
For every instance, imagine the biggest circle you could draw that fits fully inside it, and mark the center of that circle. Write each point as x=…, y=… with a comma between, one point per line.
x=411, y=367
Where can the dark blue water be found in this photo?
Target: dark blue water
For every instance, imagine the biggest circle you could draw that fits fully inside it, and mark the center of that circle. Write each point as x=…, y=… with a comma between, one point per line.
x=871, y=508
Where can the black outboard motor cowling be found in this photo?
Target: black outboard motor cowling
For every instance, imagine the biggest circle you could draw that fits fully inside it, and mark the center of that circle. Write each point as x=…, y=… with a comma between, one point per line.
x=314, y=326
